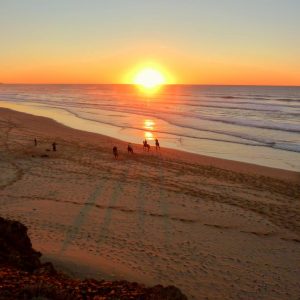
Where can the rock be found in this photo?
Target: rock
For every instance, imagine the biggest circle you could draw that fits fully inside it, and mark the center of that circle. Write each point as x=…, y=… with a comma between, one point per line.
x=15, y=246
x=23, y=276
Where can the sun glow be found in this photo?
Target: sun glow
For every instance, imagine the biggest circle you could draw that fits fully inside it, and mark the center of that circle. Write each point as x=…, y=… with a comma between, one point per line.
x=149, y=78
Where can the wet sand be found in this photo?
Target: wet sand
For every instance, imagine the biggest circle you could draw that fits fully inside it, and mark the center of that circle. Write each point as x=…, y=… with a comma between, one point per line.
x=216, y=229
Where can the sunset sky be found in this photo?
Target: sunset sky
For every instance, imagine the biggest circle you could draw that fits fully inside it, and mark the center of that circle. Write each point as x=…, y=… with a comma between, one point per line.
x=190, y=41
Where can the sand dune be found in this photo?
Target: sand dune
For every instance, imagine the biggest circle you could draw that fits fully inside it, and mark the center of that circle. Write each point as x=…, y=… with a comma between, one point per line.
x=216, y=229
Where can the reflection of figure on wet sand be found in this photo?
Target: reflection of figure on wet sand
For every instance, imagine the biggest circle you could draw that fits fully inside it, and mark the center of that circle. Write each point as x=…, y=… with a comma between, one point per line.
x=115, y=152
x=146, y=145
x=35, y=142
x=157, y=144
x=54, y=146
x=130, y=149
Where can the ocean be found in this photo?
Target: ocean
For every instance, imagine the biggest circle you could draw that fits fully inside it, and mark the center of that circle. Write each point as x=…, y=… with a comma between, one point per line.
x=255, y=124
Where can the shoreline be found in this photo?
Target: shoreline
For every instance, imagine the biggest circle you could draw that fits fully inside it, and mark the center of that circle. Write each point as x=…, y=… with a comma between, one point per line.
x=227, y=164
x=111, y=133
x=167, y=217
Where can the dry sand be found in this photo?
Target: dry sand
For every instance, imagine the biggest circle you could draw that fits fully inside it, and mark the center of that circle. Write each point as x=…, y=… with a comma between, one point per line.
x=216, y=229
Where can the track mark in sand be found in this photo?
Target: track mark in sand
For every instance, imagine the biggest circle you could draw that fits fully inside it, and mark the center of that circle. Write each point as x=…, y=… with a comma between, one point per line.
x=8, y=157
x=296, y=240
x=217, y=226
x=163, y=203
x=17, y=175
x=116, y=193
x=261, y=234
x=79, y=220
x=141, y=233
x=141, y=209
x=105, y=207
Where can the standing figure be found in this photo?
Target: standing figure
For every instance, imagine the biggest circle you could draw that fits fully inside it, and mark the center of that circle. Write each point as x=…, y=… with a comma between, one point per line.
x=54, y=146
x=157, y=144
x=115, y=152
x=130, y=149
x=35, y=142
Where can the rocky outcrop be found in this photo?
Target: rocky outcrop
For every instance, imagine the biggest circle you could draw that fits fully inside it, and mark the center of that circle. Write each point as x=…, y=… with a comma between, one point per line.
x=23, y=276
x=15, y=246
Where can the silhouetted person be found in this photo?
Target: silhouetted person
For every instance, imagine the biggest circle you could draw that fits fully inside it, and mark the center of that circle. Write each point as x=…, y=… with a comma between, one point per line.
x=115, y=152
x=157, y=144
x=146, y=145
x=54, y=146
x=35, y=142
x=130, y=149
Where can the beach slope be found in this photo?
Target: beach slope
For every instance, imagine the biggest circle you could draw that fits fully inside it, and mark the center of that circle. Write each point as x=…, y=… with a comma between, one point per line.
x=216, y=229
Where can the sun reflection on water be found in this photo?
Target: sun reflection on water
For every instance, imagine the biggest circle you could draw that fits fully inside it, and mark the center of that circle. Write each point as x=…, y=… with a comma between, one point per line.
x=149, y=126
x=148, y=135
x=148, y=91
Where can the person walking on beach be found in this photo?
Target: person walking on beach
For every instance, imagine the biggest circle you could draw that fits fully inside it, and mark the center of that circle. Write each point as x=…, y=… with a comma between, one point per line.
x=129, y=148
x=54, y=146
x=35, y=142
x=157, y=144
x=115, y=152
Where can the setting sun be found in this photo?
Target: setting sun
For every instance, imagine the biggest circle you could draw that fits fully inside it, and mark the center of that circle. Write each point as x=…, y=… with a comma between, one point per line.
x=149, y=78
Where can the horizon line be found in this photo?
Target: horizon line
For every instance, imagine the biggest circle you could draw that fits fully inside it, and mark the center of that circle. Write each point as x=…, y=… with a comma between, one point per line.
x=167, y=84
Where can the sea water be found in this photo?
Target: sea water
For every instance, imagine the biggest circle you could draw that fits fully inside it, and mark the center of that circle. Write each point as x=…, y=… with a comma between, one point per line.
x=255, y=124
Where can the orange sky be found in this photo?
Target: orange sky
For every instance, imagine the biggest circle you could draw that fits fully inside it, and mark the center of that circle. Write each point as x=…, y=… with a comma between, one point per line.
x=193, y=43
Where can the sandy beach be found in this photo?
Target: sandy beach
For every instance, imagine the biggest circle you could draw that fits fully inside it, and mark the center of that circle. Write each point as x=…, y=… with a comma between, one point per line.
x=216, y=229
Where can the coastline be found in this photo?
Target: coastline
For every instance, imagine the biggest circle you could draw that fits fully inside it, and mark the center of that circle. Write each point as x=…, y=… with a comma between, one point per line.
x=286, y=160
x=227, y=164
x=167, y=217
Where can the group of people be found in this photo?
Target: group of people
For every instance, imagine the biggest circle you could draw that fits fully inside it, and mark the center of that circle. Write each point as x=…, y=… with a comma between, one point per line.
x=146, y=146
